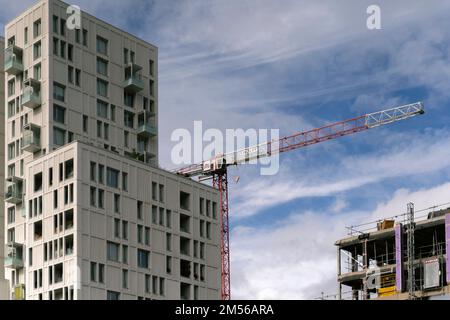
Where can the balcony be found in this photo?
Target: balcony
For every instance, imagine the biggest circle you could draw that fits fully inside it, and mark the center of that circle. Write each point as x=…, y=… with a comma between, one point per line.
x=31, y=138
x=146, y=130
x=31, y=96
x=146, y=127
x=133, y=81
x=13, y=60
x=14, y=190
x=14, y=255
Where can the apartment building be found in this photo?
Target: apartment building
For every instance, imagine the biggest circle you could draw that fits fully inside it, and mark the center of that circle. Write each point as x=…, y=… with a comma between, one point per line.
x=3, y=282
x=88, y=213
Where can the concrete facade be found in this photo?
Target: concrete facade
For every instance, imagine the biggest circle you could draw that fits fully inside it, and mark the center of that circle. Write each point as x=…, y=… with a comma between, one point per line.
x=3, y=283
x=89, y=215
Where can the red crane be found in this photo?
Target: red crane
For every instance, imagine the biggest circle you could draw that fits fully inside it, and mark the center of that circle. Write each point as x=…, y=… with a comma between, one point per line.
x=217, y=166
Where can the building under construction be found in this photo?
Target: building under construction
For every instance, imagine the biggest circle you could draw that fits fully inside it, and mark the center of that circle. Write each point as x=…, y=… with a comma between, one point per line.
x=398, y=258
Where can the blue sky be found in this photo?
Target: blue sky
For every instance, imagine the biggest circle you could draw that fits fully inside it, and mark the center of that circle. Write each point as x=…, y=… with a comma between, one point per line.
x=296, y=65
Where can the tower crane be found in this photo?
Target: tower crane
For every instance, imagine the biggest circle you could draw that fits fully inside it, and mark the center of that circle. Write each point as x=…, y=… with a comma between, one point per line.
x=216, y=167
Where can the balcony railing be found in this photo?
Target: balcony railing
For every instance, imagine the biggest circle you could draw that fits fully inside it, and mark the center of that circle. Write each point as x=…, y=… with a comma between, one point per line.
x=133, y=81
x=134, y=84
x=14, y=256
x=147, y=130
x=31, y=138
x=14, y=190
x=13, y=60
x=31, y=97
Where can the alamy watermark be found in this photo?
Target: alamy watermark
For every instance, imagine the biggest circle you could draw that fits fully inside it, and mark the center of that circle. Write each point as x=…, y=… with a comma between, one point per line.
x=374, y=20
x=73, y=17
x=251, y=146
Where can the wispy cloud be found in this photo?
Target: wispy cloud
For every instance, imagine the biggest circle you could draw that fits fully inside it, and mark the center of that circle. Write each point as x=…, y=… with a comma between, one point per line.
x=418, y=155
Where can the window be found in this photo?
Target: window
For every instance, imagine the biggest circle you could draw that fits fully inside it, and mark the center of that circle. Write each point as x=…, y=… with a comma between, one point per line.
x=70, y=74
x=112, y=178
x=142, y=258
x=63, y=49
x=147, y=283
x=152, y=67
x=113, y=113
x=124, y=181
x=154, y=214
x=102, y=45
x=154, y=284
x=168, y=219
x=169, y=264
x=125, y=56
x=92, y=196
x=139, y=233
x=55, y=24
x=77, y=36
x=11, y=105
x=185, y=200
x=161, y=216
x=63, y=27
x=125, y=230
x=161, y=193
x=85, y=124
x=125, y=279
x=116, y=203
x=101, y=198
x=102, y=109
x=147, y=236
x=112, y=295
x=30, y=257
x=124, y=254
x=11, y=88
x=69, y=169
x=37, y=28
x=11, y=215
x=102, y=88
x=93, y=169
x=117, y=228
x=59, y=114
x=70, y=52
x=101, y=273
x=59, y=92
x=161, y=286
x=78, y=77
x=37, y=72
x=102, y=67
x=55, y=46
x=85, y=38
x=25, y=35
x=139, y=210
x=168, y=242
x=101, y=174
x=37, y=50
x=128, y=99
x=59, y=136
x=128, y=118
x=154, y=191
x=99, y=129
x=38, y=182
x=152, y=88
x=55, y=199
x=112, y=251
x=93, y=271
x=126, y=138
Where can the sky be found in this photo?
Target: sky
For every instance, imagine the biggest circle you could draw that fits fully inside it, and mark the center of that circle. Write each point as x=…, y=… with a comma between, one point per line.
x=294, y=65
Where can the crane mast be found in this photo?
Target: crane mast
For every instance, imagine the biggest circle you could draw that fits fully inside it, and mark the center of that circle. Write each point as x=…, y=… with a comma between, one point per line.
x=216, y=167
